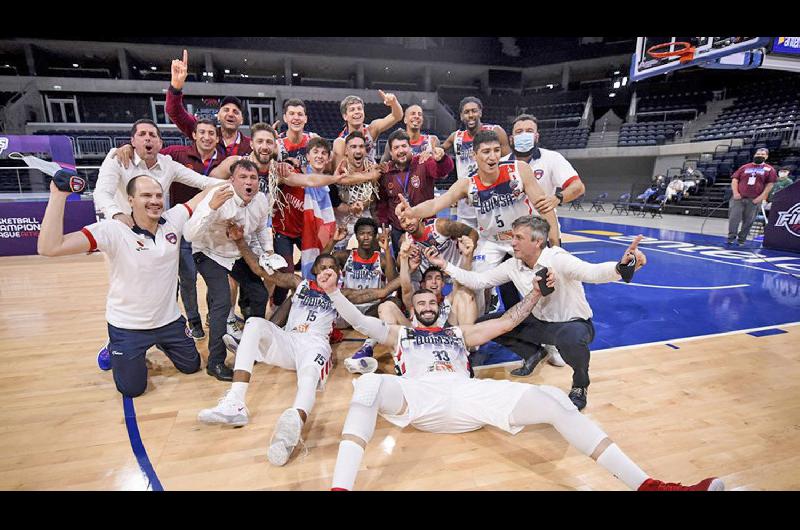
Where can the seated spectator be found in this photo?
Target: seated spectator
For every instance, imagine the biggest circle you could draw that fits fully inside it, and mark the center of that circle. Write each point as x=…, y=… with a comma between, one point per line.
x=675, y=189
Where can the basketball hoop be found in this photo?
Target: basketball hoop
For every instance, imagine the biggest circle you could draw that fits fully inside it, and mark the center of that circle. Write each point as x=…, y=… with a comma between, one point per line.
x=684, y=54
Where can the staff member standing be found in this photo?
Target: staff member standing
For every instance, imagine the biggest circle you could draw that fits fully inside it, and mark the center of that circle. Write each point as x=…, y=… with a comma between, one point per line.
x=751, y=185
x=141, y=309
x=562, y=318
x=217, y=256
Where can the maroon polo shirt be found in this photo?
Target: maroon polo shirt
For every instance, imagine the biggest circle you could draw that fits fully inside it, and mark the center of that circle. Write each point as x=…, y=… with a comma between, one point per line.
x=188, y=156
x=415, y=183
x=759, y=174
x=186, y=123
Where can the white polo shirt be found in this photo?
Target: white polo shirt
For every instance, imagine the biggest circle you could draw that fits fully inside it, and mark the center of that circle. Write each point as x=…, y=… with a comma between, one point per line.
x=551, y=170
x=207, y=230
x=143, y=271
x=110, y=196
x=567, y=302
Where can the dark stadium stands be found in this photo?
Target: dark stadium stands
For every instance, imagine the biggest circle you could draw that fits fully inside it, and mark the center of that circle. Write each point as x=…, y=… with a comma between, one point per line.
x=650, y=133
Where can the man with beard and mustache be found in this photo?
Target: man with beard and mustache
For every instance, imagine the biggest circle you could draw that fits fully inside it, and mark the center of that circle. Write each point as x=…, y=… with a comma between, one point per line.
x=142, y=310
x=409, y=175
x=229, y=117
x=470, y=109
x=434, y=391
x=217, y=256
x=352, y=108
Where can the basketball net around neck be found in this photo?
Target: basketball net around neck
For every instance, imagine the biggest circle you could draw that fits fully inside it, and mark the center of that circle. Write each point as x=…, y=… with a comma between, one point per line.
x=275, y=196
x=358, y=192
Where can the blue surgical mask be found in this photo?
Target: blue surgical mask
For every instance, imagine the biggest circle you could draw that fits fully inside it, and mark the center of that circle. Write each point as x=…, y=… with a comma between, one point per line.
x=524, y=142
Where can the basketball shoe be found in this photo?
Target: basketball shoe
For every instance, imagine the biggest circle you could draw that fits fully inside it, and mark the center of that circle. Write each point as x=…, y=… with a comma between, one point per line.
x=229, y=411
x=709, y=484
x=554, y=358
x=104, y=358
x=285, y=437
x=362, y=361
x=231, y=343
x=234, y=329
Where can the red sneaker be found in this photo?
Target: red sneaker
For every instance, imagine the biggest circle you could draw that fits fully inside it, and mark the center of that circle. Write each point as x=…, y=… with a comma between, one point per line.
x=336, y=336
x=709, y=484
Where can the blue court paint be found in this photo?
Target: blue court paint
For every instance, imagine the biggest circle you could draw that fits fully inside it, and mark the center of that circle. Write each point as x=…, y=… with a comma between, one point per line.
x=673, y=346
x=138, y=447
x=767, y=332
x=692, y=285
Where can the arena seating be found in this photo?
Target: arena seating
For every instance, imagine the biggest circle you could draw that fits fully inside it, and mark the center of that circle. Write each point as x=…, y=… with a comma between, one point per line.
x=769, y=109
x=567, y=138
x=651, y=133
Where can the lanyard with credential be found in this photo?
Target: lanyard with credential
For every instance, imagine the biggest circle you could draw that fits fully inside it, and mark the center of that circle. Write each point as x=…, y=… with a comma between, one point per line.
x=405, y=183
x=235, y=149
x=210, y=163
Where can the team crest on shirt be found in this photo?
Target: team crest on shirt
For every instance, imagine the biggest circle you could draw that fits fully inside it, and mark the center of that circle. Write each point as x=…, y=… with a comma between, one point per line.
x=538, y=173
x=415, y=181
x=172, y=238
x=514, y=185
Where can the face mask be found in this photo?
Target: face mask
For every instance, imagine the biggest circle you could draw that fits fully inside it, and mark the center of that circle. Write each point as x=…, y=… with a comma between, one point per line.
x=524, y=142
x=759, y=159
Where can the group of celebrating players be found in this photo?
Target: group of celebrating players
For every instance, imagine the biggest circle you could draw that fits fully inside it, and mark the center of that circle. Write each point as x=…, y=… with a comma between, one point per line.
x=419, y=284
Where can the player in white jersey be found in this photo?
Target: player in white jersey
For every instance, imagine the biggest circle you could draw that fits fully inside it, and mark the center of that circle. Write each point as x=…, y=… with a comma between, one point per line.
x=498, y=192
x=470, y=110
x=556, y=176
x=441, y=233
x=301, y=345
x=435, y=393
x=352, y=108
x=458, y=307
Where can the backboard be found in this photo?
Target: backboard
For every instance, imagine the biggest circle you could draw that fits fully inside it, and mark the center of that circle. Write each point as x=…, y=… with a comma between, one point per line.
x=705, y=51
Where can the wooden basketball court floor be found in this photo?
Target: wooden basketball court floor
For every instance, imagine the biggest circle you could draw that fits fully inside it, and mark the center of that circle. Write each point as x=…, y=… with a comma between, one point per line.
x=723, y=405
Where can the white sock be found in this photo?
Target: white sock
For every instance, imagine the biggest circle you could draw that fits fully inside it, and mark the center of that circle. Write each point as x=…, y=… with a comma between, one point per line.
x=622, y=467
x=232, y=315
x=371, y=342
x=239, y=390
x=347, y=463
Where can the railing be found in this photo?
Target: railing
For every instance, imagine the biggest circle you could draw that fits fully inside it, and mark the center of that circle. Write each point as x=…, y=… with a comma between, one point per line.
x=665, y=112
x=93, y=145
x=785, y=134
x=24, y=182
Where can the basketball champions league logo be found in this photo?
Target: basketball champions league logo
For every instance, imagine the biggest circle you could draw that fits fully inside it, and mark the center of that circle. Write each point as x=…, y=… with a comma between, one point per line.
x=790, y=219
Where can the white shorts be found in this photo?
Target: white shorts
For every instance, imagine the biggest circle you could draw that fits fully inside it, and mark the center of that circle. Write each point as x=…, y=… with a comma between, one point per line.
x=292, y=350
x=489, y=255
x=452, y=403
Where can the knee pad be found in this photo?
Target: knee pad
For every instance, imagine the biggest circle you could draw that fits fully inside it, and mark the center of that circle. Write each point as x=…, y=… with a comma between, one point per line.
x=365, y=389
x=558, y=396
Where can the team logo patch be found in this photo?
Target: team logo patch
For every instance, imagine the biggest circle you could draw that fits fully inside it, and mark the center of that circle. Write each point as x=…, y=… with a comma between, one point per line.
x=188, y=331
x=790, y=219
x=76, y=184
x=539, y=173
x=172, y=238
x=415, y=181
x=3, y=145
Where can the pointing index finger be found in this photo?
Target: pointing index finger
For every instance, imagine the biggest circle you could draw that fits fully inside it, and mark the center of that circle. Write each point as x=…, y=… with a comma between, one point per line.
x=634, y=244
x=185, y=57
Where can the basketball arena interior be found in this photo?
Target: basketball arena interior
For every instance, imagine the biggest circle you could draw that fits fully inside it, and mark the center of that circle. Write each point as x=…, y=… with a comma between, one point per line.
x=692, y=364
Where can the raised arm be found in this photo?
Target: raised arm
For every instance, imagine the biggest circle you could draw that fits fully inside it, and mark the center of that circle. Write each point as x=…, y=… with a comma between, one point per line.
x=223, y=170
x=535, y=193
x=52, y=240
x=455, y=230
x=472, y=280
x=195, y=201
x=382, y=124
x=406, y=287
x=369, y=326
x=483, y=332
x=174, y=104
x=448, y=143
x=431, y=207
x=387, y=259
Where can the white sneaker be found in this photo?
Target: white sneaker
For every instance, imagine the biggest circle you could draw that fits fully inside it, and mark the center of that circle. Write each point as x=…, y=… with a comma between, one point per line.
x=229, y=411
x=232, y=328
x=230, y=342
x=362, y=365
x=553, y=356
x=285, y=437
